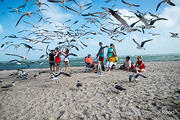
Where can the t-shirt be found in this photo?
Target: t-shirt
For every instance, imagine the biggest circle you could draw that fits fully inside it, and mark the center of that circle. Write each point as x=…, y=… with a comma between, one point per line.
x=51, y=55
x=101, y=52
x=127, y=64
x=110, y=52
x=89, y=60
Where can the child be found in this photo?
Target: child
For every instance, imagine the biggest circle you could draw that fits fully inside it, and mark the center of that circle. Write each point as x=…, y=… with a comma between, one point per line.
x=140, y=66
x=58, y=59
x=127, y=64
x=66, y=60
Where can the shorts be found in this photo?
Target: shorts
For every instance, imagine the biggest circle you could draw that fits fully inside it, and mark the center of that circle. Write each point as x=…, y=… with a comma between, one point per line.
x=52, y=63
x=122, y=67
x=101, y=58
x=90, y=65
x=66, y=60
x=109, y=64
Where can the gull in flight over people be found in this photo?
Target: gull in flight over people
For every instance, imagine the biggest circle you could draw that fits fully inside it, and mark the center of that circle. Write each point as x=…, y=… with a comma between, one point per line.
x=141, y=46
x=126, y=27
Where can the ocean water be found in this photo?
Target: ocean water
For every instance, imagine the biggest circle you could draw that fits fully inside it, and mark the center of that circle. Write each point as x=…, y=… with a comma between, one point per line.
x=74, y=62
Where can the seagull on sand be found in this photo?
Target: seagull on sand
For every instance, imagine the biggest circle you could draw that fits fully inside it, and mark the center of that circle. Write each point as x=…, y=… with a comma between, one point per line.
x=9, y=85
x=126, y=27
x=134, y=77
x=165, y=1
x=118, y=87
x=140, y=46
x=1, y=81
x=78, y=84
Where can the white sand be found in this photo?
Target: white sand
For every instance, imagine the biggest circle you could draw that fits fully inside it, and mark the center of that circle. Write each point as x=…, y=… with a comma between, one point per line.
x=41, y=98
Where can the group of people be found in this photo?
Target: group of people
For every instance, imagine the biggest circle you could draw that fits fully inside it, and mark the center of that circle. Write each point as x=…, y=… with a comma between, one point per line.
x=130, y=66
x=112, y=60
x=55, y=59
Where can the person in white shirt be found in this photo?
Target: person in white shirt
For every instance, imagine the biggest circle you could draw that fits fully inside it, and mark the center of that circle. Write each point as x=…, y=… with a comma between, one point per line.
x=127, y=64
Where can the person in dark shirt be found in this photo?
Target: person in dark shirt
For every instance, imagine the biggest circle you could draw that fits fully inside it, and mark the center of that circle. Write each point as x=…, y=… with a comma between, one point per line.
x=52, y=61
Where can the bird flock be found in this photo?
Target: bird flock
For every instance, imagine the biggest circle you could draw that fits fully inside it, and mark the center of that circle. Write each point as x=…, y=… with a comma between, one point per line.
x=73, y=33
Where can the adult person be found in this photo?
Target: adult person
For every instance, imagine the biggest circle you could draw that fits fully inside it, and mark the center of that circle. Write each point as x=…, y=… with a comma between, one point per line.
x=58, y=59
x=110, y=57
x=110, y=51
x=90, y=63
x=140, y=66
x=101, y=55
x=52, y=61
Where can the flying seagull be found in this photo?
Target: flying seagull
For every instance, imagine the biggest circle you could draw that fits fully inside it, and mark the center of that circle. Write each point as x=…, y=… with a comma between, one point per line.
x=174, y=35
x=134, y=77
x=130, y=4
x=118, y=87
x=25, y=14
x=126, y=27
x=148, y=24
x=9, y=85
x=165, y=1
x=140, y=46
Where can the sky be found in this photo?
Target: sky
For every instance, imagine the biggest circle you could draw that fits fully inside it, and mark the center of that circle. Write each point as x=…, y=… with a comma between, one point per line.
x=162, y=44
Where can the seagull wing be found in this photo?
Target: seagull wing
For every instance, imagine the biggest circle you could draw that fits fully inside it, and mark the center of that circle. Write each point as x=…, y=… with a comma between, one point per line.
x=142, y=19
x=14, y=55
x=72, y=10
x=132, y=25
x=153, y=21
x=130, y=4
x=136, y=76
x=72, y=54
x=136, y=42
x=170, y=3
x=142, y=44
x=20, y=19
x=118, y=17
x=159, y=5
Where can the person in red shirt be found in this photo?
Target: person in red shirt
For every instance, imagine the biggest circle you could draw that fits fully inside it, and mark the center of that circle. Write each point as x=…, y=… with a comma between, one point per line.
x=58, y=59
x=140, y=66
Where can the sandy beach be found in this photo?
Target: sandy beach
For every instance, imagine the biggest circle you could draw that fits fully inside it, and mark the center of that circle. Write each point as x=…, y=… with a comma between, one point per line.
x=41, y=98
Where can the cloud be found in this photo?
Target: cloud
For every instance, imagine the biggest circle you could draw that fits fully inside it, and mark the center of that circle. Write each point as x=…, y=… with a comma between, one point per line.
x=1, y=28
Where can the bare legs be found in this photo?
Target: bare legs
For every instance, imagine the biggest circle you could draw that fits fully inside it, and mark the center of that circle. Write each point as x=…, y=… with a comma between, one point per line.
x=137, y=70
x=67, y=65
x=57, y=67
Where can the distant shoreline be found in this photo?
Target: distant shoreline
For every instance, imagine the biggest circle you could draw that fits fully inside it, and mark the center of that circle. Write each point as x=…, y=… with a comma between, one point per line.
x=45, y=68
